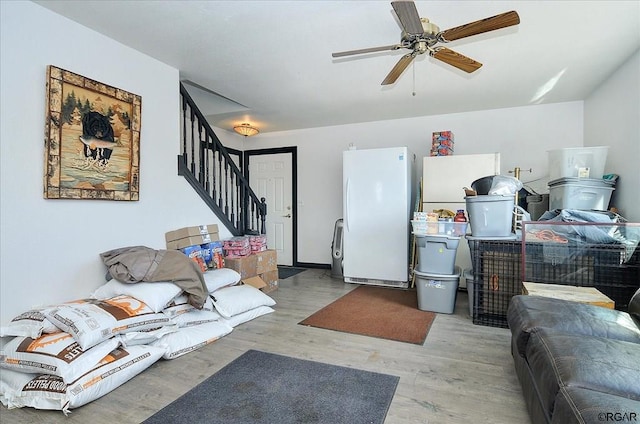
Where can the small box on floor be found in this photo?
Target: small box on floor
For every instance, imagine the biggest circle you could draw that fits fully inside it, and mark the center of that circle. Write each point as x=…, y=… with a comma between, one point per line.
x=266, y=282
x=267, y=261
x=271, y=280
x=254, y=264
x=245, y=266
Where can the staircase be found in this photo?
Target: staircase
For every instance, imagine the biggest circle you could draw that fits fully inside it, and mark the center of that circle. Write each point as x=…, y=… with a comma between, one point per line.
x=208, y=167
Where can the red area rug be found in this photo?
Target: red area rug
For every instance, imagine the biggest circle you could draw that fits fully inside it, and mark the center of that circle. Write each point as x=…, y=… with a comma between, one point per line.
x=374, y=311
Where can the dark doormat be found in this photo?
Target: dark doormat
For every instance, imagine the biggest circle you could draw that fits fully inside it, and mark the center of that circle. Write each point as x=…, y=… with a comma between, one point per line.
x=260, y=387
x=288, y=271
x=386, y=313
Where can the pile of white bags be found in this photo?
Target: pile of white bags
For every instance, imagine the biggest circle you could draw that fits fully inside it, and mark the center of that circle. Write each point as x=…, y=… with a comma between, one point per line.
x=63, y=356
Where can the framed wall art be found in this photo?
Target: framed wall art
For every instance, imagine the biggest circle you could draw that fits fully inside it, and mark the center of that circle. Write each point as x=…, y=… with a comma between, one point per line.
x=92, y=139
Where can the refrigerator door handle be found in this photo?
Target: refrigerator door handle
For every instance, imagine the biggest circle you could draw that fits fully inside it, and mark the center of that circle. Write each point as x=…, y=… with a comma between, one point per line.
x=346, y=212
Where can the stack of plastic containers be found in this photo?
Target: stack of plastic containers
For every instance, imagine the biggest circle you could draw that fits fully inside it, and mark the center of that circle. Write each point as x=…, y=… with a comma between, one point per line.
x=491, y=218
x=436, y=275
x=576, y=182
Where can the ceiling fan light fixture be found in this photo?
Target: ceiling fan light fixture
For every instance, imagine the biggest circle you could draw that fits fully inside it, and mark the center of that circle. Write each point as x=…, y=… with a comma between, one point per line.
x=246, y=130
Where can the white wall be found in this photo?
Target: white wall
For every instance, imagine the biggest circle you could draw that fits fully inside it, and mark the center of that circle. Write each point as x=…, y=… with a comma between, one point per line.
x=612, y=118
x=522, y=136
x=50, y=248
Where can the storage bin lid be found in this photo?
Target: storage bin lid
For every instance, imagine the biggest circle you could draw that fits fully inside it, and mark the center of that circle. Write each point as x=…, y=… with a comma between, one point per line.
x=490, y=198
x=591, y=182
x=438, y=238
x=509, y=237
x=453, y=276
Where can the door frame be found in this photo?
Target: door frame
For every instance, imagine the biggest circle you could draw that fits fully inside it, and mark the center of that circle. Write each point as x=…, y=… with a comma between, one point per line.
x=293, y=151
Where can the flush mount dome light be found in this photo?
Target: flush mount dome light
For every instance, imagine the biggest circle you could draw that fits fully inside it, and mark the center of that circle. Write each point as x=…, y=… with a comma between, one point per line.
x=246, y=130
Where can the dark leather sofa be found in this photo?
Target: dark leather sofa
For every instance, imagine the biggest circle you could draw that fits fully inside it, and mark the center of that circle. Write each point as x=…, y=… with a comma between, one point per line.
x=577, y=363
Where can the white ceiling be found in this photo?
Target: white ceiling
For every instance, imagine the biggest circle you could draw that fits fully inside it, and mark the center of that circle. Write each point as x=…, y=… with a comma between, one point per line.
x=269, y=62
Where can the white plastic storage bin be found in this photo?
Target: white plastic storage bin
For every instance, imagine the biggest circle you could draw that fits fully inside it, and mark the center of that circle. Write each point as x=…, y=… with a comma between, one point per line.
x=449, y=228
x=436, y=292
x=437, y=254
x=580, y=193
x=490, y=216
x=577, y=162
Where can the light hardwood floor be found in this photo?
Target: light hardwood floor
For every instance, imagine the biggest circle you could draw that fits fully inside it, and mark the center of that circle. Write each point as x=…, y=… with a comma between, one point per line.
x=462, y=374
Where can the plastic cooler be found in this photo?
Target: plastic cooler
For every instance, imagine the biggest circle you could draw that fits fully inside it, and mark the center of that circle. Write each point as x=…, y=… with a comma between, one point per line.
x=437, y=253
x=574, y=162
x=580, y=193
x=437, y=292
x=490, y=215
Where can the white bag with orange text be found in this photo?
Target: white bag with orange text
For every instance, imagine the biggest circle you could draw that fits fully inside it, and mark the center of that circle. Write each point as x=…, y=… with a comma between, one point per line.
x=57, y=353
x=92, y=321
x=44, y=391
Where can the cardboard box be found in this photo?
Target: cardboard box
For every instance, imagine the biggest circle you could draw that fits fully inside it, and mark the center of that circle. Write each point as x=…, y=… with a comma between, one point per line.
x=267, y=261
x=192, y=241
x=254, y=264
x=256, y=282
x=212, y=254
x=245, y=266
x=198, y=230
x=270, y=279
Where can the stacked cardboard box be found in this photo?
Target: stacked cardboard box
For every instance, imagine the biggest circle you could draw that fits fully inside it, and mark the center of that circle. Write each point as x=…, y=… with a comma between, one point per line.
x=200, y=243
x=442, y=143
x=191, y=236
x=260, y=264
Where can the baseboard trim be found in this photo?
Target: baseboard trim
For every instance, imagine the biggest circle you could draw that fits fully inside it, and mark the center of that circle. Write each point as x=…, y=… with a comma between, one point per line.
x=312, y=265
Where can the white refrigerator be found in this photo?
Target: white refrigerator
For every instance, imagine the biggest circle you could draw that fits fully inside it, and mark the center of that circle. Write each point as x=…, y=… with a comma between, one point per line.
x=377, y=206
x=443, y=179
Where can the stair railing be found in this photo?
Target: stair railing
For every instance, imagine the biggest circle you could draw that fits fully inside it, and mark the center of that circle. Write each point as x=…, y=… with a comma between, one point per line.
x=207, y=166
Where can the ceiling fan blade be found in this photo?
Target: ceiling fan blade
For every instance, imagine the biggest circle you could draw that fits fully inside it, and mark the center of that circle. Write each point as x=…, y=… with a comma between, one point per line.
x=484, y=25
x=399, y=68
x=456, y=59
x=408, y=15
x=369, y=50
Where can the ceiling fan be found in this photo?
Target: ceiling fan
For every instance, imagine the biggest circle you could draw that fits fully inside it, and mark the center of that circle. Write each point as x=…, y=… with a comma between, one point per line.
x=421, y=36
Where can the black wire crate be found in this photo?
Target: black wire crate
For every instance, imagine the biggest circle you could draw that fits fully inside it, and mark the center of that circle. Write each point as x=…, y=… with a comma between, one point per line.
x=604, y=256
x=497, y=278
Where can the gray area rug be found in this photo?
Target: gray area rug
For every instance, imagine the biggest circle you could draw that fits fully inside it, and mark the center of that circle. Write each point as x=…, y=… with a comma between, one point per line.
x=260, y=387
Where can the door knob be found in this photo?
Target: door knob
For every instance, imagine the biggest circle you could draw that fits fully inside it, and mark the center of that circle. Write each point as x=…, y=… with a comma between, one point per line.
x=287, y=215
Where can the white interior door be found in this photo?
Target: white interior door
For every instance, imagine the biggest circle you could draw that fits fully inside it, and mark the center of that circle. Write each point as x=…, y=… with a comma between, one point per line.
x=270, y=177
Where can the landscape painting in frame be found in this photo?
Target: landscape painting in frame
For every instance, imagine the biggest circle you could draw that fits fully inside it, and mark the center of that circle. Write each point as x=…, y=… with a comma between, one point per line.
x=92, y=139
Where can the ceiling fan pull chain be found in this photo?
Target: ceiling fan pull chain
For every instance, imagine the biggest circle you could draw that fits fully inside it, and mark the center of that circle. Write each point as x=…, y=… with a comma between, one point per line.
x=414, y=78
